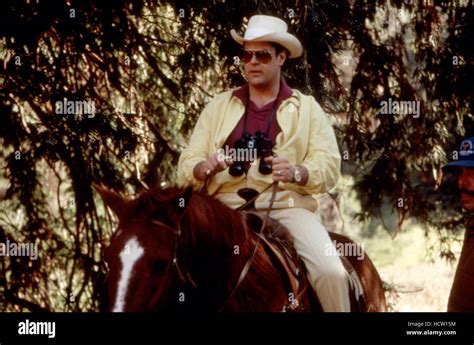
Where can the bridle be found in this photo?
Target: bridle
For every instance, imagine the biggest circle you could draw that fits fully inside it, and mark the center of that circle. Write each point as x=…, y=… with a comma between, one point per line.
x=184, y=275
x=174, y=264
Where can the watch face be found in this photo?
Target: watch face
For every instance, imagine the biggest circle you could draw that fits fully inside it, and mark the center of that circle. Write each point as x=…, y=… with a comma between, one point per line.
x=297, y=176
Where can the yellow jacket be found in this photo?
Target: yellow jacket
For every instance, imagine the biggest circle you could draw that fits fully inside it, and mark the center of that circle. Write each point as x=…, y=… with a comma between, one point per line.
x=306, y=139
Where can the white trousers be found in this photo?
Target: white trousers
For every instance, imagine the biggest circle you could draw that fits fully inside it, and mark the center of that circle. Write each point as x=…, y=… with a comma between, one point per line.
x=312, y=242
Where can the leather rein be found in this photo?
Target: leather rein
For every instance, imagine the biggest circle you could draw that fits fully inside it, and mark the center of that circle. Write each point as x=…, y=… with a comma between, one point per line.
x=247, y=265
x=184, y=275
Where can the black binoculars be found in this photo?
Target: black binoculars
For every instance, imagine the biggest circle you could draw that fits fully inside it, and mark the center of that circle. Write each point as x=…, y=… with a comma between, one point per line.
x=263, y=147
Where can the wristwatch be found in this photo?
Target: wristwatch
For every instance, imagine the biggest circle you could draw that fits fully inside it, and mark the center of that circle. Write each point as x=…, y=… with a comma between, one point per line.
x=297, y=176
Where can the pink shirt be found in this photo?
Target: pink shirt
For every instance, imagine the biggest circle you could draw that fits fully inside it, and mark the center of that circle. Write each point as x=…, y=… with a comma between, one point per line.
x=257, y=118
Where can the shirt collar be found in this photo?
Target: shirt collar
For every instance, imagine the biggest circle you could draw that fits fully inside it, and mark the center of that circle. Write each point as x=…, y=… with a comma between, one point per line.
x=243, y=91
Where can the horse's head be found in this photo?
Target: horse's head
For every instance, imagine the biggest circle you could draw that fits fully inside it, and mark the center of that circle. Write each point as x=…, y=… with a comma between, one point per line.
x=143, y=256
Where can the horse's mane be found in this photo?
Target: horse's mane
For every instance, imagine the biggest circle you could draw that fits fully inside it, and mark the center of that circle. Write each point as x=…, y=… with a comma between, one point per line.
x=212, y=231
x=201, y=215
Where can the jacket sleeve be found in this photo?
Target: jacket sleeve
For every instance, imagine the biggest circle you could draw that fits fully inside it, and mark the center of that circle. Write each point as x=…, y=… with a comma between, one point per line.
x=322, y=159
x=197, y=150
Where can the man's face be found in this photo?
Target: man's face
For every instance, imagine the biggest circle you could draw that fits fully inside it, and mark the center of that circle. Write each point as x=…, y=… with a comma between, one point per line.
x=259, y=73
x=466, y=183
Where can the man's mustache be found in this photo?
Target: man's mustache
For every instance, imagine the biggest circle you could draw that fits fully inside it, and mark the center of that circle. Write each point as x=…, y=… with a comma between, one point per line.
x=467, y=191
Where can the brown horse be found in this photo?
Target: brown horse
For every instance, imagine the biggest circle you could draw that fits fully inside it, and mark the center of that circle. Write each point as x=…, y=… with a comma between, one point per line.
x=176, y=249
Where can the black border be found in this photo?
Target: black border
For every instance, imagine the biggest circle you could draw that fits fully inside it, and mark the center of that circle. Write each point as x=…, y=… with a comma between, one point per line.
x=238, y=328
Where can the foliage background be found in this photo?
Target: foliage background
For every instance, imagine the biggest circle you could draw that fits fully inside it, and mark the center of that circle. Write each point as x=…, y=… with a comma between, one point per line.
x=150, y=66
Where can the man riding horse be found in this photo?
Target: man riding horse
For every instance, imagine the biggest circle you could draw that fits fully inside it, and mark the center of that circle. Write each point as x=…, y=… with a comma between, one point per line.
x=462, y=292
x=295, y=145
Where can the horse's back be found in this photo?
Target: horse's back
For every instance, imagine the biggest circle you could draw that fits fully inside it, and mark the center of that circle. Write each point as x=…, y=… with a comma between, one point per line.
x=372, y=286
x=374, y=291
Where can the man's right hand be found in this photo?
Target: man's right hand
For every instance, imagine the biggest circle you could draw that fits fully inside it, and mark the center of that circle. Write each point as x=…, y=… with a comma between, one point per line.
x=211, y=166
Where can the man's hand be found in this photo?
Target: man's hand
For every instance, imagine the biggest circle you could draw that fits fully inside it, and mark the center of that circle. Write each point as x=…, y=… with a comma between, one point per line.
x=285, y=172
x=216, y=162
x=282, y=170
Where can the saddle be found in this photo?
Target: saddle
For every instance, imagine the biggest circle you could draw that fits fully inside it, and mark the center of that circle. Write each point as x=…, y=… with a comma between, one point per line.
x=279, y=245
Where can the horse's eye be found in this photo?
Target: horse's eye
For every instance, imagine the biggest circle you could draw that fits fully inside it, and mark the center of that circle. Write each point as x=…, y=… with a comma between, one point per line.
x=159, y=266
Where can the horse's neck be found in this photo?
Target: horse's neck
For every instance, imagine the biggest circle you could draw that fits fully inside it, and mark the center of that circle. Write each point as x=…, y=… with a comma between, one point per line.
x=220, y=246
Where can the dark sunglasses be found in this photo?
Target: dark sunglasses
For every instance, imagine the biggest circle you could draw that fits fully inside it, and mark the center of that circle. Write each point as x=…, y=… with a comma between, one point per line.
x=262, y=56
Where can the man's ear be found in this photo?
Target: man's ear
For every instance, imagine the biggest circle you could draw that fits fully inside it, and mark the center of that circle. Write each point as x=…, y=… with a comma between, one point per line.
x=113, y=200
x=282, y=56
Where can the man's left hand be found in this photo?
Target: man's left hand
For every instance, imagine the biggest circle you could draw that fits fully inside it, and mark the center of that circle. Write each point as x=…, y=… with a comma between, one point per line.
x=282, y=170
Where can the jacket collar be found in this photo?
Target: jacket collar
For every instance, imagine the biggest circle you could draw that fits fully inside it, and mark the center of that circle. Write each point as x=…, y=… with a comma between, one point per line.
x=233, y=117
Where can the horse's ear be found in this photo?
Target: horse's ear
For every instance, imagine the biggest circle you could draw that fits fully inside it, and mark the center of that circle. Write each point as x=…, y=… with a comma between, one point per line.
x=112, y=199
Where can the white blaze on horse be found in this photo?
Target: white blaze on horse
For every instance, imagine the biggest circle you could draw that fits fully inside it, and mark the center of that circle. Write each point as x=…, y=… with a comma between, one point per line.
x=128, y=256
x=175, y=250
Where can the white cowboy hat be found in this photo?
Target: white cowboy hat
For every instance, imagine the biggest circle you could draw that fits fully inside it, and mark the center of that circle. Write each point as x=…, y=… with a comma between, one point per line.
x=269, y=29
